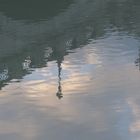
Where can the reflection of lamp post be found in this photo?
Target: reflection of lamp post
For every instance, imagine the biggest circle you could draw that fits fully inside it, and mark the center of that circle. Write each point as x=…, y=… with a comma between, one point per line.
x=59, y=93
x=137, y=62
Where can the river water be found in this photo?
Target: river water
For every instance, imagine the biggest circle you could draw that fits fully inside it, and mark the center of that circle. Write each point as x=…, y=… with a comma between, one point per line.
x=70, y=70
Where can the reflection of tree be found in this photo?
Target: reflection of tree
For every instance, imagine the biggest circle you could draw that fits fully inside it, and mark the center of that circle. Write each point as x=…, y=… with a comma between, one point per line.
x=137, y=62
x=59, y=93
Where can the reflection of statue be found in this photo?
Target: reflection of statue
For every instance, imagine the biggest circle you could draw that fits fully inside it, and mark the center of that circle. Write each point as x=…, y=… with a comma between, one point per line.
x=137, y=62
x=59, y=93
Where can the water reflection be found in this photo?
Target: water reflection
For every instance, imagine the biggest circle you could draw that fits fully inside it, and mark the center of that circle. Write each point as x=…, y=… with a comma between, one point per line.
x=33, y=10
x=59, y=93
x=4, y=75
x=26, y=64
x=82, y=50
x=137, y=62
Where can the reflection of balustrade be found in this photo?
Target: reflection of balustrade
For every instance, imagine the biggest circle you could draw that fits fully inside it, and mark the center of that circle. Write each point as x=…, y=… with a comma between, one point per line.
x=4, y=75
x=26, y=63
x=48, y=52
x=137, y=62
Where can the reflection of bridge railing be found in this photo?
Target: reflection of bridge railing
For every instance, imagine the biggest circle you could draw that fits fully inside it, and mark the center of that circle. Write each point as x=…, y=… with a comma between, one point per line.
x=26, y=63
x=4, y=75
x=137, y=62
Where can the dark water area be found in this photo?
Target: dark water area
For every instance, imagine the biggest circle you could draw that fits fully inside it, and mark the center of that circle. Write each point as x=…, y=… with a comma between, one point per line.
x=33, y=9
x=69, y=70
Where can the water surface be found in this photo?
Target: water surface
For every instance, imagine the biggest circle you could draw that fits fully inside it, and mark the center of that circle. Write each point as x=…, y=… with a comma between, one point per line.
x=69, y=70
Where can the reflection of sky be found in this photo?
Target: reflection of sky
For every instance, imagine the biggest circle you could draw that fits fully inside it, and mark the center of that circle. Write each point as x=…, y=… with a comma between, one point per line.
x=100, y=92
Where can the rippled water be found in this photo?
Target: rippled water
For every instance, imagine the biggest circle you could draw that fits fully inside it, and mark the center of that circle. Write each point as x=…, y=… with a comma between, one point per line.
x=70, y=70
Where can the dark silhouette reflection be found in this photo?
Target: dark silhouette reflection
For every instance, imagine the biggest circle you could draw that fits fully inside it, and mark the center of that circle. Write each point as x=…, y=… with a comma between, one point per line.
x=59, y=50
x=137, y=62
x=59, y=93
